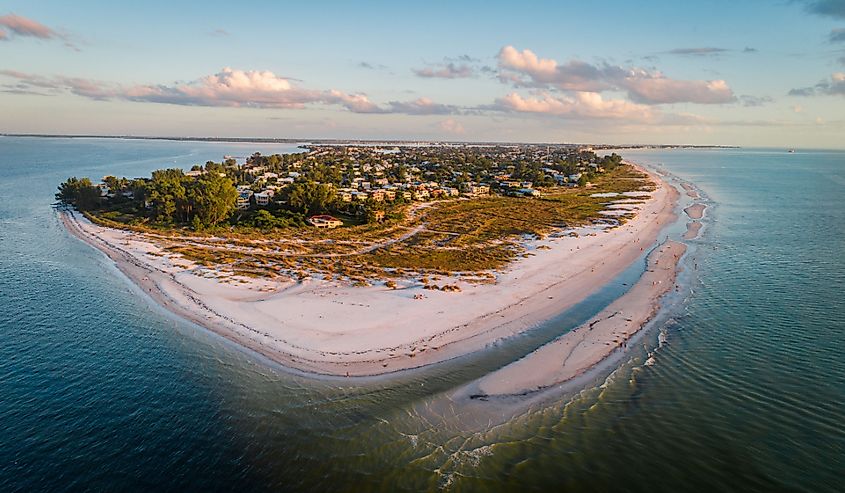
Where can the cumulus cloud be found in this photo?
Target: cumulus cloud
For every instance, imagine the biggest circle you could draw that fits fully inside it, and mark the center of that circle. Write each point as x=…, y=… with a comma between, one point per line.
x=837, y=35
x=655, y=88
x=524, y=68
x=579, y=105
x=13, y=24
x=835, y=86
x=227, y=88
x=446, y=71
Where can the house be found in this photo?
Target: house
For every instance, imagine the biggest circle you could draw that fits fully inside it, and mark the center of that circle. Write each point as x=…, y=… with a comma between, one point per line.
x=262, y=198
x=421, y=194
x=324, y=221
x=345, y=195
x=243, y=199
x=377, y=195
x=476, y=190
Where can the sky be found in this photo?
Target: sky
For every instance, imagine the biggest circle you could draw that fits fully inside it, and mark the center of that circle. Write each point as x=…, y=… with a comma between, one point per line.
x=750, y=73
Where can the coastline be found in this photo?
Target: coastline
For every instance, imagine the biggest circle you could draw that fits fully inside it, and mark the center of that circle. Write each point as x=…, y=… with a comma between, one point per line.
x=384, y=330
x=583, y=348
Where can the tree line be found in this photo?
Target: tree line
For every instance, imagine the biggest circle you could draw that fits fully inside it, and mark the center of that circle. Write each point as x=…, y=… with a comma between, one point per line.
x=169, y=196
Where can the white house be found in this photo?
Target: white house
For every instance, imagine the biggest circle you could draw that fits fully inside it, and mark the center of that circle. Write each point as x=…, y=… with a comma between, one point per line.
x=324, y=221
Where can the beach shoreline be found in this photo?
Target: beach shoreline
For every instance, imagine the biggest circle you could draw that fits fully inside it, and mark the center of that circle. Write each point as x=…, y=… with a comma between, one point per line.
x=385, y=331
x=582, y=349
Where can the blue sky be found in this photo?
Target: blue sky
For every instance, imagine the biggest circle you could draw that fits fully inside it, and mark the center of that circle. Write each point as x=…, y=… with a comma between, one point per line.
x=752, y=73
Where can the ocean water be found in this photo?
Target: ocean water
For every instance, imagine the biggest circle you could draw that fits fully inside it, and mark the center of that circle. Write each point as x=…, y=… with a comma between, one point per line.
x=100, y=389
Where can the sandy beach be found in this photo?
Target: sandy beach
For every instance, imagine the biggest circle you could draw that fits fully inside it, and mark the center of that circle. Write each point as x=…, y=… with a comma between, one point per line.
x=584, y=347
x=330, y=327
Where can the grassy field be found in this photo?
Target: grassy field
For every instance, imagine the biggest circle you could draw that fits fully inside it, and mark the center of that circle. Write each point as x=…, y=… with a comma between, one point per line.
x=456, y=236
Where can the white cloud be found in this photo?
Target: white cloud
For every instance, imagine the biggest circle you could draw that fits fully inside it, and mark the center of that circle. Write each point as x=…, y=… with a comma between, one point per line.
x=655, y=88
x=446, y=71
x=525, y=68
x=579, y=105
x=227, y=88
x=25, y=27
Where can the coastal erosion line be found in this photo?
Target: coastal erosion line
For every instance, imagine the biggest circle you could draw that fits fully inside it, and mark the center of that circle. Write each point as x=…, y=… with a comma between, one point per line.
x=300, y=329
x=581, y=349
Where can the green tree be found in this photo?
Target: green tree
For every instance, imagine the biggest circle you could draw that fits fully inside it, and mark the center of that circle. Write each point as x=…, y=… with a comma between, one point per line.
x=166, y=191
x=68, y=191
x=213, y=198
x=311, y=198
x=80, y=193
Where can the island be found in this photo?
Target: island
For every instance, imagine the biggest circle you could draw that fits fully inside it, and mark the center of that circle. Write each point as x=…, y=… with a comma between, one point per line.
x=360, y=259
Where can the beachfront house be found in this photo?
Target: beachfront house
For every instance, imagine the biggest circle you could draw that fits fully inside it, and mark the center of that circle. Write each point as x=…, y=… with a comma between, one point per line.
x=324, y=221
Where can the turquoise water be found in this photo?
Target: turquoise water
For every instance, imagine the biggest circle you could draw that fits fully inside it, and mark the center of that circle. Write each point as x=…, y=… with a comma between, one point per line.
x=101, y=389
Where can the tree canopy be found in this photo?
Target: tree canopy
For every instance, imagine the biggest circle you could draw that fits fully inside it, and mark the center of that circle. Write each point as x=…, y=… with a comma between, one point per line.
x=311, y=198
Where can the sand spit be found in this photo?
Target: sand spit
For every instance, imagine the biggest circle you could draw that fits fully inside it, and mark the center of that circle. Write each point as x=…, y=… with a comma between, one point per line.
x=586, y=346
x=333, y=328
x=695, y=211
x=691, y=190
x=693, y=229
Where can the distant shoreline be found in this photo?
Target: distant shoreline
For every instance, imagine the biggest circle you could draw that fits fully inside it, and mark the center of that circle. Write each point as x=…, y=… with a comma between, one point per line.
x=324, y=141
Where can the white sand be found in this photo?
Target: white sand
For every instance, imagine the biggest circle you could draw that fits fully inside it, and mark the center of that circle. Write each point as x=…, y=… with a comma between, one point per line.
x=586, y=346
x=333, y=328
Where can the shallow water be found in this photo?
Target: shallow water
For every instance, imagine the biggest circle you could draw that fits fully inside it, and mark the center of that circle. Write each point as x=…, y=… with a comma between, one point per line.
x=101, y=389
